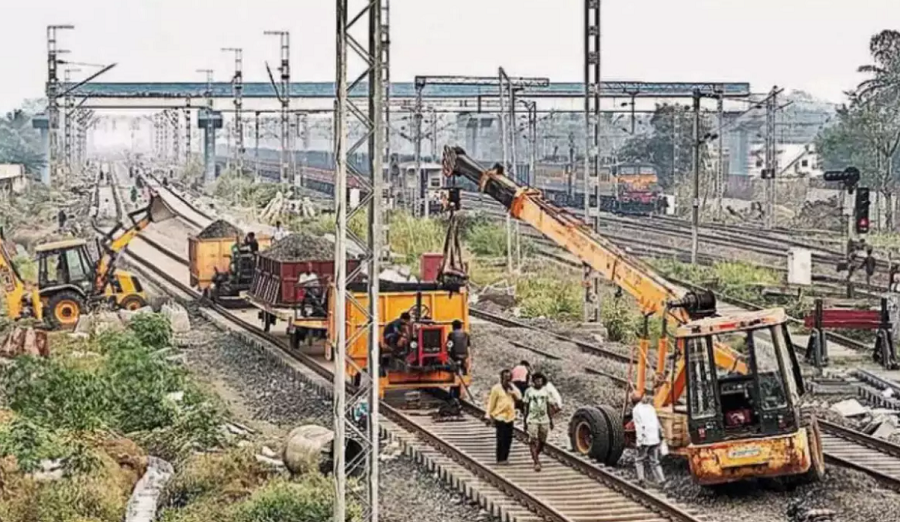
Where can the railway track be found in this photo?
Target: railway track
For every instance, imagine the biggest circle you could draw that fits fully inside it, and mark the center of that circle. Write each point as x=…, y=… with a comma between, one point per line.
x=568, y=489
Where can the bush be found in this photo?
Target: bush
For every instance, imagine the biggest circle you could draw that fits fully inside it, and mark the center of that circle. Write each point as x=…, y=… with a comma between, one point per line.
x=55, y=395
x=411, y=237
x=622, y=323
x=553, y=298
x=137, y=383
x=223, y=477
x=77, y=499
x=310, y=500
x=152, y=330
x=29, y=444
x=196, y=425
x=487, y=239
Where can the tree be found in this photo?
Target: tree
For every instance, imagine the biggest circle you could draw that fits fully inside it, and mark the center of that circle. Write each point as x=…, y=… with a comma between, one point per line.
x=20, y=142
x=867, y=134
x=669, y=144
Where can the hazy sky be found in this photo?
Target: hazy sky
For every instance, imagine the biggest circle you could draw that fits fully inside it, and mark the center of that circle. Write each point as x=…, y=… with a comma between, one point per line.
x=812, y=45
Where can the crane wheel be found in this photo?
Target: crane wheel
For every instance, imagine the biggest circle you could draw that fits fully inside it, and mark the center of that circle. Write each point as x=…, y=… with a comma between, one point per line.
x=589, y=433
x=616, y=434
x=132, y=303
x=65, y=309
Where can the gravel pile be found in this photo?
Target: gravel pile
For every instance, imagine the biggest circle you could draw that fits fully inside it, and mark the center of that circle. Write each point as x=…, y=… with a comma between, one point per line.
x=219, y=229
x=821, y=215
x=301, y=246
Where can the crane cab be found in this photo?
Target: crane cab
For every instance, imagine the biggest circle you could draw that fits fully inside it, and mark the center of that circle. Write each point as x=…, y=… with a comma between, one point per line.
x=743, y=420
x=66, y=275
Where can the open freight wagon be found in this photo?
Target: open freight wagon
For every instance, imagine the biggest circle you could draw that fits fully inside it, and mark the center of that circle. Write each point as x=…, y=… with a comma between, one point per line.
x=213, y=256
x=277, y=293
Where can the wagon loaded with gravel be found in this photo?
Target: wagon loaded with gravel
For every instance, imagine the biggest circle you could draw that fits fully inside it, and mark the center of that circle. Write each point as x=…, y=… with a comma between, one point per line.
x=221, y=267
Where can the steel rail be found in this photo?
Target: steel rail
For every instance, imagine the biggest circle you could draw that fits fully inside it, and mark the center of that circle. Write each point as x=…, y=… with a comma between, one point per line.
x=630, y=491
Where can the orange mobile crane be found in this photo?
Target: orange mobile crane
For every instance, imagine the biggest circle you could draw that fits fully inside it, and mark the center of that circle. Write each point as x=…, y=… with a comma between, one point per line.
x=727, y=396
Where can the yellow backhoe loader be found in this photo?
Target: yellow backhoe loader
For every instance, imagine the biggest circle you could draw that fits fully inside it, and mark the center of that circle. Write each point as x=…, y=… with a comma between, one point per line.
x=71, y=280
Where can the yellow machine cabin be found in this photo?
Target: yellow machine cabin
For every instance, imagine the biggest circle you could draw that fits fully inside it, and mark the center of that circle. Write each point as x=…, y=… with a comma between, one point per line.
x=426, y=362
x=66, y=277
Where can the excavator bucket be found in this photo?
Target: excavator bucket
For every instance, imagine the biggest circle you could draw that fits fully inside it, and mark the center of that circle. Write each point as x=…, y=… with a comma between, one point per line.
x=159, y=210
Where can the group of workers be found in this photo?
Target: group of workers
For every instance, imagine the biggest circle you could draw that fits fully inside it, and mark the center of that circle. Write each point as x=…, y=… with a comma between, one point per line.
x=535, y=396
x=398, y=333
x=539, y=402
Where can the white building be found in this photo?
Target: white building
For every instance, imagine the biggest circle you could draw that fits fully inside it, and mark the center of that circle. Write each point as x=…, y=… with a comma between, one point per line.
x=12, y=178
x=794, y=160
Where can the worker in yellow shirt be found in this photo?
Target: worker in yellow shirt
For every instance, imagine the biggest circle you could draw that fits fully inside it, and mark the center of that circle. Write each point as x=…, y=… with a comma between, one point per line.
x=501, y=410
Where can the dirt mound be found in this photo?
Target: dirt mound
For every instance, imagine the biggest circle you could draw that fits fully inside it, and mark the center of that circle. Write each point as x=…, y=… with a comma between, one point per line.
x=301, y=246
x=822, y=215
x=219, y=229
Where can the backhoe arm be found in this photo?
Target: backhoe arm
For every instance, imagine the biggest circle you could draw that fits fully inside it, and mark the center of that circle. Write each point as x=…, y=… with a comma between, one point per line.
x=655, y=295
x=118, y=239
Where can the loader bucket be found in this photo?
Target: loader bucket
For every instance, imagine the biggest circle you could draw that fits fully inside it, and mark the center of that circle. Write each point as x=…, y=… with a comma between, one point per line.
x=160, y=210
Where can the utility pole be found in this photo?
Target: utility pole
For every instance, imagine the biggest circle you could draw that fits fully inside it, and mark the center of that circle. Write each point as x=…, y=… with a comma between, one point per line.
x=188, y=130
x=720, y=170
x=771, y=159
x=504, y=125
x=303, y=127
x=417, y=191
x=52, y=99
x=69, y=127
x=285, y=96
x=256, y=145
x=176, y=135
x=592, y=115
x=237, y=86
x=373, y=122
x=695, y=193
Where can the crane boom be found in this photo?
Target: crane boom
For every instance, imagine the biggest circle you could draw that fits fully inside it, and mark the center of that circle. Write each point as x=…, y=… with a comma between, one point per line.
x=654, y=294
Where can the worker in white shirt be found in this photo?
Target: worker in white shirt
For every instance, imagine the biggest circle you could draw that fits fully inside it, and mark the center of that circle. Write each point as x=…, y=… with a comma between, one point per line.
x=280, y=233
x=648, y=433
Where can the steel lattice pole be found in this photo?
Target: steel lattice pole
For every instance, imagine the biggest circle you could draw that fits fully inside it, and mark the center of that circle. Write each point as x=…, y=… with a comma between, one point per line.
x=366, y=393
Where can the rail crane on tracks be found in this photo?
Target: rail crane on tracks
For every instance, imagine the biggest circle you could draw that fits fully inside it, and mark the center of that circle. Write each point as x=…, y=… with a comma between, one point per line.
x=727, y=395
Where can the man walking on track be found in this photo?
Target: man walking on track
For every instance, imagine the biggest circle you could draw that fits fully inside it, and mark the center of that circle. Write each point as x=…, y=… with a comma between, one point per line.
x=501, y=410
x=648, y=432
x=540, y=405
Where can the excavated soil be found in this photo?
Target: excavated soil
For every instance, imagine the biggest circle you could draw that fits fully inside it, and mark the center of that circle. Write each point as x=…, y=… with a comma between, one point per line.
x=219, y=229
x=301, y=246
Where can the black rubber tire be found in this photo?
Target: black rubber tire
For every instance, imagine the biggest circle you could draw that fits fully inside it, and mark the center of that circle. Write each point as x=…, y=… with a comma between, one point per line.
x=59, y=299
x=616, y=434
x=594, y=421
x=132, y=302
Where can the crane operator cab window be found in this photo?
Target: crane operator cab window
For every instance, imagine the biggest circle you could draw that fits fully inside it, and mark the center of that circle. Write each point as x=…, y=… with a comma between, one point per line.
x=756, y=396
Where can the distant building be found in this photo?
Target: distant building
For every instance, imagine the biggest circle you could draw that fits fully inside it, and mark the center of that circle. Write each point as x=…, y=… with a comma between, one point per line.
x=794, y=160
x=12, y=178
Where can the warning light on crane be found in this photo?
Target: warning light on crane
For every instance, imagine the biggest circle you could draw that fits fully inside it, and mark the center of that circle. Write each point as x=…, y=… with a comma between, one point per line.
x=862, y=210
